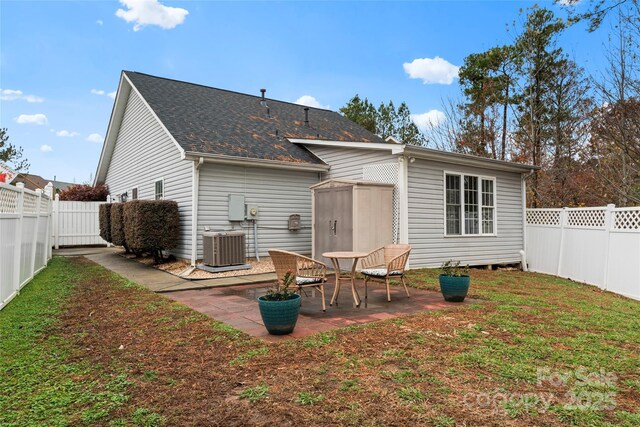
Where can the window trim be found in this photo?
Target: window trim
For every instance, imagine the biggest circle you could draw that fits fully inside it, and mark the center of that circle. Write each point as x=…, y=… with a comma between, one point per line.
x=155, y=195
x=463, y=231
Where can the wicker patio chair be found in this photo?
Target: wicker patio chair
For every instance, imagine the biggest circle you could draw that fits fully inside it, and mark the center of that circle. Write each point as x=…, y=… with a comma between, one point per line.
x=308, y=272
x=383, y=264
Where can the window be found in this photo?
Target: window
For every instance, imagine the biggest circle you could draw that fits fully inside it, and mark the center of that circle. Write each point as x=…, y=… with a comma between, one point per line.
x=159, y=189
x=134, y=193
x=469, y=205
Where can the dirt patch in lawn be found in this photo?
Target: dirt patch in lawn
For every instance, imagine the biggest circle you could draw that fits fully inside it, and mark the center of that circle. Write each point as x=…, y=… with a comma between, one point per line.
x=468, y=365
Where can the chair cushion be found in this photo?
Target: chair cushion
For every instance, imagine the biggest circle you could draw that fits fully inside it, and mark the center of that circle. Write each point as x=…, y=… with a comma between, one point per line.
x=300, y=280
x=379, y=272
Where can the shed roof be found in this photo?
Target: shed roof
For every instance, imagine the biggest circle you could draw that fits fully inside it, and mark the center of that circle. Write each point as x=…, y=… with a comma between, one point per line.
x=208, y=120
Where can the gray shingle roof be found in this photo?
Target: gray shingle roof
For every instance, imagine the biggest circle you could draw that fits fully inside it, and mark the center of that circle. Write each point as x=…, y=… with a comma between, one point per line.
x=207, y=120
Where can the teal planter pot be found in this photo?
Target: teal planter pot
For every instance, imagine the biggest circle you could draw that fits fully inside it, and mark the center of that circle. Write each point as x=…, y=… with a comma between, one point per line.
x=280, y=317
x=454, y=288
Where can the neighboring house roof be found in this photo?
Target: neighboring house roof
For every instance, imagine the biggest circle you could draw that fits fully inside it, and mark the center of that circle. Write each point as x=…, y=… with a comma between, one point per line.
x=36, y=182
x=207, y=120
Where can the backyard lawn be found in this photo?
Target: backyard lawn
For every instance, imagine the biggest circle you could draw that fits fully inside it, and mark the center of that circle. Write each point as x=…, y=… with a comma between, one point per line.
x=81, y=345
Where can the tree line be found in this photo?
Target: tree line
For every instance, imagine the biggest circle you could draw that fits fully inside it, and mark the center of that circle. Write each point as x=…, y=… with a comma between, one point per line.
x=528, y=101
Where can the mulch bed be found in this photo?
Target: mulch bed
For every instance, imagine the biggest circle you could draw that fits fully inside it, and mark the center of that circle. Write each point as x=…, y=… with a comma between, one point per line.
x=192, y=370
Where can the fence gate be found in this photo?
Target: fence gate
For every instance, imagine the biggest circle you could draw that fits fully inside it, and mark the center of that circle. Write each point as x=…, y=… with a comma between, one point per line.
x=76, y=223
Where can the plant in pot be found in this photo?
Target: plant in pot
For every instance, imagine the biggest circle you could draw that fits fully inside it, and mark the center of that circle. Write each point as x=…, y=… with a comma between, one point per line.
x=280, y=307
x=454, y=281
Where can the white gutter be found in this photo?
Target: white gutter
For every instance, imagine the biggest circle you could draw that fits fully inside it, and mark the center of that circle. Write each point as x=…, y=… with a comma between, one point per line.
x=195, y=184
x=466, y=159
x=394, y=148
x=246, y=161
x=523, y=185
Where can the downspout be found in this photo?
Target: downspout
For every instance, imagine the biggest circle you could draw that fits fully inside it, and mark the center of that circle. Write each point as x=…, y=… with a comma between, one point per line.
x=523, y=252
x=195, y=174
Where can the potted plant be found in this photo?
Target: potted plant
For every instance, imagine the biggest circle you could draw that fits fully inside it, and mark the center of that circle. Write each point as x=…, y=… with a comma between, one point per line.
x=279, y=307
x=454, y=281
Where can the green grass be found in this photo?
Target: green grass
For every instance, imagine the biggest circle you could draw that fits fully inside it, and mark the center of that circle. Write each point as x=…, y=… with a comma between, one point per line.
x=308, y=398
x=39, y=381
x=255, y=393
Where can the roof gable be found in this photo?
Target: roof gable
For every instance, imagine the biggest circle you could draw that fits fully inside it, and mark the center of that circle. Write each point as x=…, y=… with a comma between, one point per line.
x=207, y=120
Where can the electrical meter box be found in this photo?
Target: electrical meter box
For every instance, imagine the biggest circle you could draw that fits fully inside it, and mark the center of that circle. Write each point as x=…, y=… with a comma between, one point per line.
x=252, y=212
x=236, y=207
x=294, y=222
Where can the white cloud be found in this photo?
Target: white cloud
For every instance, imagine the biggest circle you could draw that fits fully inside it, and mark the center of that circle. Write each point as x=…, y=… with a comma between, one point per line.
x=95, y=137
x=35, y=119
x=151, y=12
x=310, y=101
x=112, y=95
x=101, y=92
x=13, y=94
x=99, y=22
x=97, y=91
x=46, y=148
x=429, y=120
x=66, y=133
x=569, y=2
x=432, y=70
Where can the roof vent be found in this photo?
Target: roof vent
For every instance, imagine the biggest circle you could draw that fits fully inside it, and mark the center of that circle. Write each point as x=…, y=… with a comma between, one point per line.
x=263, y=102
x=306, y=116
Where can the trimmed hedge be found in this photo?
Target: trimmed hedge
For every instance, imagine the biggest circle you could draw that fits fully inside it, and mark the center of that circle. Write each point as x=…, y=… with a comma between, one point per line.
x=117, y=225
x=151, y=226
x=104, y=216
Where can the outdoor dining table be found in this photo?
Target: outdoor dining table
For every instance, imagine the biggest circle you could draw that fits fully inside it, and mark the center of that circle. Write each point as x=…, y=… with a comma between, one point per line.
x=340, y=276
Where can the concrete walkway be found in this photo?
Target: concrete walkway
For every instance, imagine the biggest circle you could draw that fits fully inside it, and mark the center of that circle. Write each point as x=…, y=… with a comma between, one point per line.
x=152, y=278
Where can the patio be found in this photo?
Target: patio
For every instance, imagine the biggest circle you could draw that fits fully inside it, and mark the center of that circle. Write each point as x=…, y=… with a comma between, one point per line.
x=237, y=306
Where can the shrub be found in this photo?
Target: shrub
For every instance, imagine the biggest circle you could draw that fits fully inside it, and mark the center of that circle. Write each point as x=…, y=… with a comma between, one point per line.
x=104, y=217
x=152, y=226
x=85, y=193
x=117, y=226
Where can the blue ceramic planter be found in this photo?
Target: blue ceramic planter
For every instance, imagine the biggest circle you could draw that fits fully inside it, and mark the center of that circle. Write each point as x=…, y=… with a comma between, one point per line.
x=454, y=288
x=280, y=317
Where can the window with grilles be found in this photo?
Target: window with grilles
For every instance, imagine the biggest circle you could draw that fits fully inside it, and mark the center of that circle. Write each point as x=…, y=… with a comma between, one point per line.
x=592, y=218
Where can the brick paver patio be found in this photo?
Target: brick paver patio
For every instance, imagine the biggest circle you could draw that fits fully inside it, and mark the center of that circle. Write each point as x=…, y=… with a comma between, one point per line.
x=237, y=306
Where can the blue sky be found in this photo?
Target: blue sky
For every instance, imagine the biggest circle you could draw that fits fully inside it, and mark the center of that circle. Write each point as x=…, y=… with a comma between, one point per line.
x=60, y=60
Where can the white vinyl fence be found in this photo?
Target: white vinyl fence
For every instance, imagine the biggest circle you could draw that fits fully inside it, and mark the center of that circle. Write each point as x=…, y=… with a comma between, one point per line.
x=25, y=231
x=599, y=246
x=76, y=223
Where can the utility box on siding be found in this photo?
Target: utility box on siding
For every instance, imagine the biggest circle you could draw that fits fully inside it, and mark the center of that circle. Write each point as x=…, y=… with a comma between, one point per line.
x=351, y=216
x=236, y=207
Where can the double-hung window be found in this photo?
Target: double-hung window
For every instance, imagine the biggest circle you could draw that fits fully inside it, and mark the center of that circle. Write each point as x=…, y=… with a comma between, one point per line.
x=159, y=189
x=470, y=207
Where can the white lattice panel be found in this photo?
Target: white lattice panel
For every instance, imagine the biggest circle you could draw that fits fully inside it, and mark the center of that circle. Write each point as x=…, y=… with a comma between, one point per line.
x=8, y=201
x=30, y=203
x=626, y=220
x=593, y=218
x=543, y=217
x=44, y=205
x=387, y=173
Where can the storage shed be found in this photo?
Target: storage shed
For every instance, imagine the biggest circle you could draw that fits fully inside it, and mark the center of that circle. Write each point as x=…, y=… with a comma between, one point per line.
x=350, y=215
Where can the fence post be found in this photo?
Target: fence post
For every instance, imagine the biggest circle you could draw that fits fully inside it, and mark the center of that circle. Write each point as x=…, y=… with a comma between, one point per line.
x=18, y=239
x=563, y=220
x=56, y=222
x=108, y=201
x=608, y=225
x=34, y=241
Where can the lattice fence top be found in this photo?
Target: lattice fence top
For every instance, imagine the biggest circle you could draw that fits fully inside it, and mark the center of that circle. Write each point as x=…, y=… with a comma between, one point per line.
x=8, y=201
x=543, y=217
x=594, y=218
x=388, y=174
x=44, y=204
x=30, y=203
x=626, y=220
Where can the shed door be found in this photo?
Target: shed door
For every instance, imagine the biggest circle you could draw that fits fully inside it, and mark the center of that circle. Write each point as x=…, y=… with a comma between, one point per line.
x=334, y=221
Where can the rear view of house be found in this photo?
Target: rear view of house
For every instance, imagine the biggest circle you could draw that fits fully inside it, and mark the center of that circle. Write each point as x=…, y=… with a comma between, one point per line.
x=215, y=152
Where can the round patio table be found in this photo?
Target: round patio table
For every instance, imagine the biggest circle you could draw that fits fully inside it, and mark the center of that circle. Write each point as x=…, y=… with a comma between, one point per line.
x=340, y=276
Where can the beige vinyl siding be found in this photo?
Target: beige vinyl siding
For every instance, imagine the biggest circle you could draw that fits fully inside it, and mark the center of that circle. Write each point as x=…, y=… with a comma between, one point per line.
x=145, y=153
x=347, y=163
x=278, y=193
x=426, y=219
